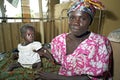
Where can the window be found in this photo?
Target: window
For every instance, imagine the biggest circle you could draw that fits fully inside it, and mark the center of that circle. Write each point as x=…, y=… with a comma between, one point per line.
x=63, y=1
x=34, y=10
x=13, y=10
x=44, y=8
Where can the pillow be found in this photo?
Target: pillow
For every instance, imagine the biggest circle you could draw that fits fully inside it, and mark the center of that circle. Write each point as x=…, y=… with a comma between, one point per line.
x=114, y=35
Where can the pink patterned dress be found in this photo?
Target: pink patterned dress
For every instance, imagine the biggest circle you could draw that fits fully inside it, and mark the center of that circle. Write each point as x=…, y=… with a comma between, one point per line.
x=90, y=57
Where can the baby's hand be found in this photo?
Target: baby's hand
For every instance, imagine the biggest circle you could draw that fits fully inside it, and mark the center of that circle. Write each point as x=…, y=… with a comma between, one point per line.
x=34, y=50
x=40, y=52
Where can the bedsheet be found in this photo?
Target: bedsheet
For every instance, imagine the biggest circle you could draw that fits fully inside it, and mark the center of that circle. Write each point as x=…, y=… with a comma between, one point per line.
x=22, y=73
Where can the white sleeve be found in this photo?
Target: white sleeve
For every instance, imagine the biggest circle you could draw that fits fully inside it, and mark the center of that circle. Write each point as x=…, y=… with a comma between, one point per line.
x=37, y=45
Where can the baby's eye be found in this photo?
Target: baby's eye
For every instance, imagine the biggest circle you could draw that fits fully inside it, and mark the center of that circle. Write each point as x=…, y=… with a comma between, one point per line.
x=28, y=34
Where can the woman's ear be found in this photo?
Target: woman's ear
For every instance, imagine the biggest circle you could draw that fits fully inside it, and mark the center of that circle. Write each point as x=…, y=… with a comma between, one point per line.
x=91, y=20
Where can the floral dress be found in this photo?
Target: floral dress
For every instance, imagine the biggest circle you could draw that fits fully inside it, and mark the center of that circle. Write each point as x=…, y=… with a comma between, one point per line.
x=90, y=57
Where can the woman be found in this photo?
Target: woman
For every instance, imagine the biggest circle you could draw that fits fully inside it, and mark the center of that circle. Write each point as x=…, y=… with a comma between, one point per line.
x=82, y=54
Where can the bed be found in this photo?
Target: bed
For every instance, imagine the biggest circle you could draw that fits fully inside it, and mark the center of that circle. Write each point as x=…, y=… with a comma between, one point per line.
x=22, y=73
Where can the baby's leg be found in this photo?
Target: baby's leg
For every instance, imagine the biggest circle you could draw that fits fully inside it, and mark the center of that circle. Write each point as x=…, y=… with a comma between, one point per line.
x=13, y=66
x=36, y=65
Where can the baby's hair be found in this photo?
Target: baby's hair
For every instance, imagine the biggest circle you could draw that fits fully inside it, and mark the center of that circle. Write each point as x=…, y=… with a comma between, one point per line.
x=24, y=28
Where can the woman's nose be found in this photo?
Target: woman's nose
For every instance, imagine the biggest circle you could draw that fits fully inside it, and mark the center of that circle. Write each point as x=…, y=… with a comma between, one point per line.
x=77, y=18
x=77, y=21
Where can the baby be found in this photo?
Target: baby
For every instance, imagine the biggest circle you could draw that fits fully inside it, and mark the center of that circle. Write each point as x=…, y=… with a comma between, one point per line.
x=28, y=56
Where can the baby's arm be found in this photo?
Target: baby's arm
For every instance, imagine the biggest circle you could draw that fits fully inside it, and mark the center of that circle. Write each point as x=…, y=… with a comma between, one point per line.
x=15, y=54
x=45, y=53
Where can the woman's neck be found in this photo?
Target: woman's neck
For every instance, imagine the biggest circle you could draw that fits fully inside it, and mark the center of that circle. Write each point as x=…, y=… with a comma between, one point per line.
x=80, y=37
x=83, y=34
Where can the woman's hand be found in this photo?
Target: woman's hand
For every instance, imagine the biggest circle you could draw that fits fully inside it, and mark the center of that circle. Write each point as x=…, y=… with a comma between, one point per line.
x=46, y=76
x=53, y=76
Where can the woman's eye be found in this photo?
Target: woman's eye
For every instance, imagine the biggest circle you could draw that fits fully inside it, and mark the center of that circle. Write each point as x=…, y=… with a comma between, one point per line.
x=83, y=18
x=71, y=17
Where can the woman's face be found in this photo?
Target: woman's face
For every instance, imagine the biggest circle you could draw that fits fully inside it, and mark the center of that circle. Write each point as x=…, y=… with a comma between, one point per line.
x=79, y=22
x=29, y=35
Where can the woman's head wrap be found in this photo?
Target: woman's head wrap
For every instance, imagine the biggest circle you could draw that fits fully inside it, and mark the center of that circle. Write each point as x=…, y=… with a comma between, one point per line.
x=88, y=6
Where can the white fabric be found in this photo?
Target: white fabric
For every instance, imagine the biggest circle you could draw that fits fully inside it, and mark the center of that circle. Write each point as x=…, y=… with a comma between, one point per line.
x=26, y=55
x=114, y=35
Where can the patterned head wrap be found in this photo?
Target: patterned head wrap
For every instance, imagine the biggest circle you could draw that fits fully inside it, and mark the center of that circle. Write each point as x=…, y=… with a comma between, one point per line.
x=88, y=6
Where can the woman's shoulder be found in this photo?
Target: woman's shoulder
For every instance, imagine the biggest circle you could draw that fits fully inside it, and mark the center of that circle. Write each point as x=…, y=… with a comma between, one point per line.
x=95, y=35
x=98, y=37
x=60, y=36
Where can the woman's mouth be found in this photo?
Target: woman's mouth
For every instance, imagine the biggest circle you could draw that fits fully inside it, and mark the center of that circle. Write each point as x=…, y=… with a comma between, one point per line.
x=76, y=28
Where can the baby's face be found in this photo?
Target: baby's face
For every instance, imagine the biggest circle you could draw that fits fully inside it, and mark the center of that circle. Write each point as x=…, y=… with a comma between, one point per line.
x=29, y=35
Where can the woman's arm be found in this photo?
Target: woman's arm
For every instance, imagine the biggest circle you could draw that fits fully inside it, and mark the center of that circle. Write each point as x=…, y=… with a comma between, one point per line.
x=53, y=76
